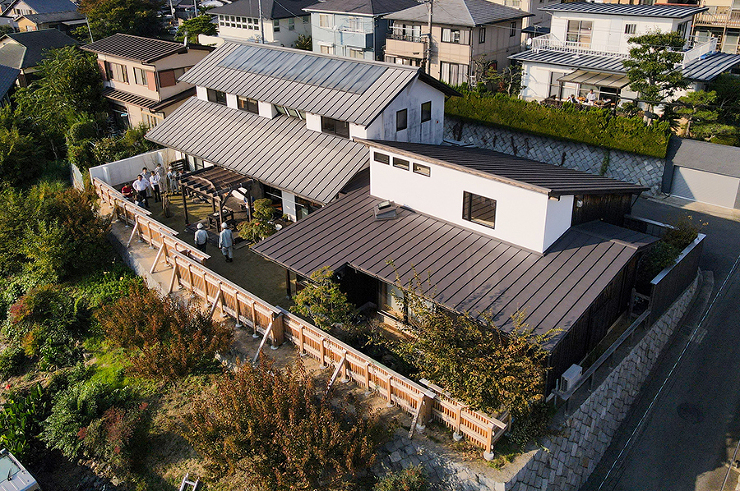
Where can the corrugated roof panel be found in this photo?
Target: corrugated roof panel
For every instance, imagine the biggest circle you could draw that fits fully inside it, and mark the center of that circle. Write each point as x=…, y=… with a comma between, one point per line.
x=665, y=11
x=281, y=152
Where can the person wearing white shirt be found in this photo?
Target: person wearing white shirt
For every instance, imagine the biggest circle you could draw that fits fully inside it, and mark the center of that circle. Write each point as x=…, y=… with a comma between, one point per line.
x=201, y=238
x=154, y=180
x=226, y=242
x=141, y=185
x=591, y=97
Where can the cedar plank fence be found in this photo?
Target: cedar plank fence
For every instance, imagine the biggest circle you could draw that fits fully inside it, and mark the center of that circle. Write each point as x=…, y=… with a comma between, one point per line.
x=424, y=403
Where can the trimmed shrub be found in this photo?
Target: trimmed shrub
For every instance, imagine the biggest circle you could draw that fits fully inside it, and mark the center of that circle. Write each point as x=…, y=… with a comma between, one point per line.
x=114, y=437
x=409, y=479
x=161, y=338
x=270, y=426
x=593, y=126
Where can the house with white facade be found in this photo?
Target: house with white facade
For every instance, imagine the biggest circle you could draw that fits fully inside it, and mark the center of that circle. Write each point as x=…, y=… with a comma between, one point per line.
x=287, y=119
x=486, y=233
x=588, y=42
x=467, y=37
x=353, y=28
x=280, y=22
x=140, y=76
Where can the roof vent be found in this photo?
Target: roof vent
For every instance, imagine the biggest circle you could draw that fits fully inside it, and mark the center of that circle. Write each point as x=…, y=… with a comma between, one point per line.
x=385, y=210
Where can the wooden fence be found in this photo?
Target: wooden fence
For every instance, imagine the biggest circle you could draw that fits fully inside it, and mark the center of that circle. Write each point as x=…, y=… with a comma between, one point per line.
x=424, y=402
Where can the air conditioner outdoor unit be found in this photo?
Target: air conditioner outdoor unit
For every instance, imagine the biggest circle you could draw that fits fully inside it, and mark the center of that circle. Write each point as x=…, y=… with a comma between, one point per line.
x=570, y=377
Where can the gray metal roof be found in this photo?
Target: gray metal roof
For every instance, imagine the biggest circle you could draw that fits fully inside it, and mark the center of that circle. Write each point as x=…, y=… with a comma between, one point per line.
x=468, y=271
x=8, y=76
x=54, y=17
x=136, y=48
x=538, y=176
x=306, y=81
x=665, y=11
x=46, y=6
x=702, y=69
x=280, y=152
x=271, y=9
x=704, y=156
x=712, y=66
x=460, y=13
x=35, y=44
x=361, y=7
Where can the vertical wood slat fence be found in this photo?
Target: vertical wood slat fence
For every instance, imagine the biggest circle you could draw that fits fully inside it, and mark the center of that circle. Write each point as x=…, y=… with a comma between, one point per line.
x=425, y=403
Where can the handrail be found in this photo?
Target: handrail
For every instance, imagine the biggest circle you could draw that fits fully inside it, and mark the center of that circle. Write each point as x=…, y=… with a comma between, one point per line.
x=606, y=356
x=248, y=309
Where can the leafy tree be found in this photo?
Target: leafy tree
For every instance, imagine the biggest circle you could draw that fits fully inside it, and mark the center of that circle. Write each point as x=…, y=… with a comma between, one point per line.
x=201, y=24
x=652, y=66
x=162, y=338
x=268, y=427
x=322, y=301
x=20, y=159
x=727, y=87
x=261, y=226
x=108, y=17
x=697, y=108
x=303, y=42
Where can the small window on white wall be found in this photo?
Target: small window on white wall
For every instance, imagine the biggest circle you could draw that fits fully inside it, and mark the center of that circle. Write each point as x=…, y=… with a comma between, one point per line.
x=327, y=50
x=422, y=169
x=630, y=28
x=401, y=120
x=479, y=209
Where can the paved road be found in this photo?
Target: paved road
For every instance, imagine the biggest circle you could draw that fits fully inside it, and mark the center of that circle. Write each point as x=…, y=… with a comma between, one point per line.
x=692, y=430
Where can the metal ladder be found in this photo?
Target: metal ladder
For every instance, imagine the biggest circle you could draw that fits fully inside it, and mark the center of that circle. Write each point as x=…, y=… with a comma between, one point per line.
x=186, y=483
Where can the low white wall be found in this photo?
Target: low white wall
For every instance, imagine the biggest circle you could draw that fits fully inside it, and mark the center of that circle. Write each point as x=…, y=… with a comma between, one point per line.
x=126, y=170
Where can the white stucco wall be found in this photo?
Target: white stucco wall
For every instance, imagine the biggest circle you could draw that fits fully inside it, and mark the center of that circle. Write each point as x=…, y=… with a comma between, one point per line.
x=126, y=170
x=289, y=205
x=313, y=122
x=523, y=217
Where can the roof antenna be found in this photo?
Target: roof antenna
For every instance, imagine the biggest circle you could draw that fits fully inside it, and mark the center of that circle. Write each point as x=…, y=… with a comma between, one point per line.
x=262, y=23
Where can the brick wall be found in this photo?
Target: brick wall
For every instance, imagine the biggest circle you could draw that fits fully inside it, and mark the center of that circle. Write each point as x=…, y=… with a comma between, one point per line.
x=625, y=166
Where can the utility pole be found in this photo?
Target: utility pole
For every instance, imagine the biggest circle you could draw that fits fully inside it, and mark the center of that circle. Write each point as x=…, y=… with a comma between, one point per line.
x=262, y=23
x=428, y=60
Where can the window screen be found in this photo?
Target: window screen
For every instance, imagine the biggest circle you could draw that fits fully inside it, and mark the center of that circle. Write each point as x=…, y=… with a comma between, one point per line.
x=479, y=209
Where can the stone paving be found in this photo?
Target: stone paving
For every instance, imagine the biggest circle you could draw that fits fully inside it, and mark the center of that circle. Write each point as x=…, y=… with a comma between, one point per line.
x=624, y=166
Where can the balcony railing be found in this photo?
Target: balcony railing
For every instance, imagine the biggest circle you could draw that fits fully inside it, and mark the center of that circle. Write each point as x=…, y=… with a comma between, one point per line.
x=719, y=18
x=692, y=51
x=406, y=36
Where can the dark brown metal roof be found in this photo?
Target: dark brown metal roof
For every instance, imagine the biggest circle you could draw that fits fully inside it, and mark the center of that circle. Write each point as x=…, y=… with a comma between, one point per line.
x=129, y=98
x=469, y=272
x=538, y=176
x=143, y=50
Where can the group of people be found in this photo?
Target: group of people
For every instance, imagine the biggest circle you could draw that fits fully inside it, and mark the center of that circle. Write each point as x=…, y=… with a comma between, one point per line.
x=590, y=99
x=225, y=240
x=152, y=184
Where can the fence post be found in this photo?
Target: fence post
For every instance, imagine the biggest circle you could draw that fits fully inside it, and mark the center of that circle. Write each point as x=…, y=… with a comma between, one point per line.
x=254, y=320
x=301, y=340
x=322, y=353
x=367, y=378
x=425, y=411
x=278, y=331
x=389, y=391
x=457, y=435
x=237, y=310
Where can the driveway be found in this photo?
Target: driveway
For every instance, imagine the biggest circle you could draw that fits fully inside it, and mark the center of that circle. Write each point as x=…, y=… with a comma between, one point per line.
x=685, y=425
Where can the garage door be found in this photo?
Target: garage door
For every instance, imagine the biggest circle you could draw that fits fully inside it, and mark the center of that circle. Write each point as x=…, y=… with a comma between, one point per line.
x=706, y=187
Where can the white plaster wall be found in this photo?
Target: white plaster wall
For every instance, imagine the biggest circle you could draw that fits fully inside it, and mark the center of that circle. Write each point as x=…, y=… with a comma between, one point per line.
x=411, y=98
x=559, y=216
x=201, y=93
x=231, y=101
x=521, y=214
x=357, y=131
x=313, y=122
x=289, y=205
x=126, y=170
x=536, y=80
x=285, y=37
x=267, y=110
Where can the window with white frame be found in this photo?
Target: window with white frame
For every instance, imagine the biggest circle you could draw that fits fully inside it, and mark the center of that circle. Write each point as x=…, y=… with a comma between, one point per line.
x=140, y=76
x=683, y=29
x=454, y=74
x=482, y=35
x=512, y=29
x=422, y=169
x=116, y=72
x=579, y=32
x=289, y=111
x=383, y=158
x=276, y=25
x=291, y=24
x=400, y=163
x=450, y=35
x=327, y=49
x=325, y=20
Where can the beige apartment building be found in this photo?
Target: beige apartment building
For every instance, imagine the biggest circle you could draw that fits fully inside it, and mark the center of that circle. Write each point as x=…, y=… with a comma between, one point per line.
x=140, y=76
x=467, y=35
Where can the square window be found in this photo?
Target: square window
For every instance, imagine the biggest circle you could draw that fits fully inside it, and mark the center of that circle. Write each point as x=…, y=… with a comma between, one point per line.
x=324, y=20
x=479, y=209
x=334, y=126
x=381, y=157
x=217, y=96
x=401, y=121
x=249, y=105
x=422, y=169
x=400, y=163
x=426, y=111
x=306, y=19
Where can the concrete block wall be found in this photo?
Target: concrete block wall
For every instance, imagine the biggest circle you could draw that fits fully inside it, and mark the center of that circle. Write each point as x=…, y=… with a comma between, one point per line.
x=624, y=166
x=566, y=461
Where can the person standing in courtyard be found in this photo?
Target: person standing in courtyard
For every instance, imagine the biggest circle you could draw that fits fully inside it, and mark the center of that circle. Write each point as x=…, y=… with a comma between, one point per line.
x=226, y=242
x=155, y=180
x=159, y=170
x=140, y=185
x=172, y=186
x=201, y=238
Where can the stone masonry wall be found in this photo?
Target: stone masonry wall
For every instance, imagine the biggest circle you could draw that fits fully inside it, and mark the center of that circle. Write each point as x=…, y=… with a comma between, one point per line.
x=624, y=166
x=565, y=462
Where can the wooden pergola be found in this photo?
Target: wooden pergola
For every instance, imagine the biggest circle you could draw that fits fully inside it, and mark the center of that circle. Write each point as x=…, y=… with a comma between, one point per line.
x=214, y=183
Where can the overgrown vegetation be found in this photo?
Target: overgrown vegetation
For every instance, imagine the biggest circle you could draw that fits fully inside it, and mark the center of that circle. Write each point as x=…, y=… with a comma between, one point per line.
x=261, y=225
x=161, y=338
x=108, y=17
x=409, y=479
x=595, y=126
x=323, y=301
x=666, y=251
x=270, y=427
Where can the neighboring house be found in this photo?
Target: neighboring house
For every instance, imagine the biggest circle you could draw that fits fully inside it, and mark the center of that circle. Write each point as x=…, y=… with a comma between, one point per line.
x=353, y=28
x=588, y=42
x=721, y=20
x=704, y=172
x=486, y=233
x=24, y=50
x=8, y=77
x=287, y=118
x=64, y=21
x=467, y=37
x=18, y=8
x=281, y=22
x=140, y=75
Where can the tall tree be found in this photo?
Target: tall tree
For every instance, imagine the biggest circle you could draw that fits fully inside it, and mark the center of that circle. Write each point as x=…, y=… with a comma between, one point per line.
x=193, y=27
x=108, y=17
x=698, y=108
x=653, y=66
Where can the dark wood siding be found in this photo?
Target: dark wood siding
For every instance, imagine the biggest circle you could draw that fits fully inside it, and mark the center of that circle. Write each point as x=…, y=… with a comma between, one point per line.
x=610, y=208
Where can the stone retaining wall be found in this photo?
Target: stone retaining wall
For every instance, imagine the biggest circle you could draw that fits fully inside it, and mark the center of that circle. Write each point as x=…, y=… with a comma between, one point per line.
x=625, y=166
x=565, y=462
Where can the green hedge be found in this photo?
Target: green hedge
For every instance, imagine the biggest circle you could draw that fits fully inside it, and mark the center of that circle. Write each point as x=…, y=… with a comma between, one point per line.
x=592, y=126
